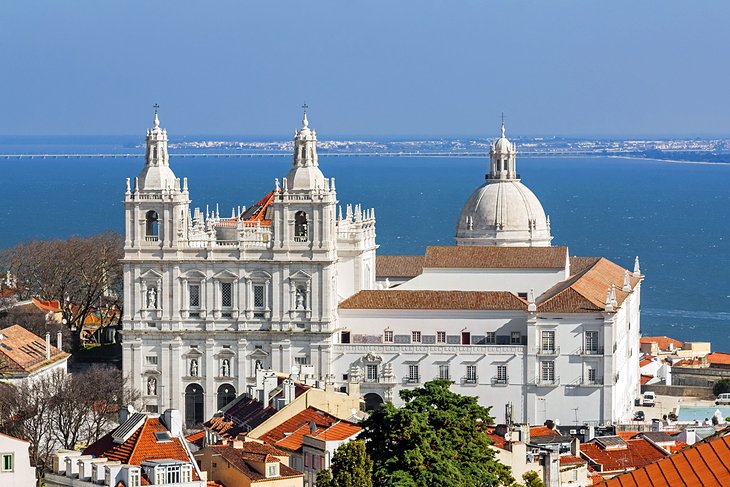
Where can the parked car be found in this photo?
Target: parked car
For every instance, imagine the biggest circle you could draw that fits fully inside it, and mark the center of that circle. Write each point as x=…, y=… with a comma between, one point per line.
x=639, y=416
x=648, y=399
x=723, y=398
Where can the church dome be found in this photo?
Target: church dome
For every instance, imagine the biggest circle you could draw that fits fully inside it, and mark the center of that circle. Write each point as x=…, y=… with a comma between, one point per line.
x=156, y=174
x=305, y=174
x=503, y=211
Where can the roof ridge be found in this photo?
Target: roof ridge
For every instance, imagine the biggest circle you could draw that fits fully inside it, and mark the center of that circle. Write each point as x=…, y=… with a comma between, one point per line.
x=139, y=437
x=572, y=280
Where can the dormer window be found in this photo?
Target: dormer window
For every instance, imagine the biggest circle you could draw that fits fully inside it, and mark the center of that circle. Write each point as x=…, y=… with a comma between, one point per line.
x=272, y=470
x=300, y=227
x=152, y=226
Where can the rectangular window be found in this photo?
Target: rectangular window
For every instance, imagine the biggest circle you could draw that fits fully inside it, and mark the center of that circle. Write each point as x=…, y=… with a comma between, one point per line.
x=591, y=345
x=7, y=462
x=150, y=360
x=187, y=473
x=302, y=360
x=173, y=474
x=444, y=372
x=465, y=338
x=547, y=344
x=548, y=371
x=491, y=337
x=134, y=478
x=226, y=294
x=591, y=375
x=307, y=460
x=194, y=293
x=516, y=338
x=160, y=475
x=345, y=337
x=413, y=375
x=258, y=296
x=471, y=374
x=388, y=336
x=440, y=337
x=502, y=374
x=416, y=337
x=272, y=471
x=372, y=372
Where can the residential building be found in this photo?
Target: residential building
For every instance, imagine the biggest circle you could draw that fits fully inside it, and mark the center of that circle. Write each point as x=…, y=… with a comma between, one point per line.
x=611, y=455
x=143, y=450
x=701, y=372
x=291, y=284
x=26, y=356
x=245, y=463
x=15, y=468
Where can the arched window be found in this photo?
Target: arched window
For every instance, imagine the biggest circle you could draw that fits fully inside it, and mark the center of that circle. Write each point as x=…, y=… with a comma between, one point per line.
x=193, y=405
x=300, y=226
x=373, y=402
x=226, y=394
x=152, y=224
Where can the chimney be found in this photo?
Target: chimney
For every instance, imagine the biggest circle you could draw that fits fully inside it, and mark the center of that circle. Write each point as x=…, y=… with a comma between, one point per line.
x=551, y=468
x=173, y=421
x=312, y=427
x=575, y=447
x=125, y=412
x=289, y=390
x=58, y=340
x=48, y=346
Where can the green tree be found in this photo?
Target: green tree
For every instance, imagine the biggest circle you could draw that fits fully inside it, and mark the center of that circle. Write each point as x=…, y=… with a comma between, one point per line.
x=434, y=439
x=351, y=467
x=722, y=386
x=532, y=479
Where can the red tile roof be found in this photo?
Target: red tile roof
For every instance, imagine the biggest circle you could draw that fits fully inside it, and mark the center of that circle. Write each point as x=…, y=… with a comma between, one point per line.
x=398, y=265
x=243, y=415
x=52, y=305
x=637, y=453
x=718, y=358
x=247, y=452
x=196, y=438
x=487, y=257
x=339, y=431
x=141, y=446
x=704, y=464
x=257, y=212
x=645, y=378
x=586, y=291
x=24, y=352
x=290, y=433
x=449, y=300
x=662, y=342
x=570, y=460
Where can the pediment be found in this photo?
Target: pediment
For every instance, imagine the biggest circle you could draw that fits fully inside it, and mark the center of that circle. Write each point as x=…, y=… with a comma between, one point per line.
x=300, y=275
x=225, y=274
x=150, y=274
x=192, y=274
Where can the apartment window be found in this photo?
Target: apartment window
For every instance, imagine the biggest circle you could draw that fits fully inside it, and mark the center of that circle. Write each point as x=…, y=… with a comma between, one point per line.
x=388, y=336
x=226, y=294
x=502, y=374
x=440, y=337
x=7, y=462
x=273, y=471
x=187, y=473
x=465, y=338
x=471, y=374
x=416, y=337
x=134, y=478
x=372, y=372
x=516, y=338
x=591, y=375
x=173, y=474
x=302, y=360
x=307, y=460
x=150, y=360
x=444, y=372
x=547, y=344
x=345, y=337
x=194, y=294
x=591, y=345
x=258, y=296
x=548, y=371
x=491, y=337
x=413, y=375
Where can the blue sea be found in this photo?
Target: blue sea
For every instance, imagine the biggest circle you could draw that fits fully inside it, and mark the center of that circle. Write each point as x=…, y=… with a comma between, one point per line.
x=674, y=216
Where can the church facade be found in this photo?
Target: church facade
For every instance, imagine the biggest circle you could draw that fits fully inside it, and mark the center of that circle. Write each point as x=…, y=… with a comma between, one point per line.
x=293, y=284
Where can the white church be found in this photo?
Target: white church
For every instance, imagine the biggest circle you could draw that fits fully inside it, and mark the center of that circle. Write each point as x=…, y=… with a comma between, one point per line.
x=293, y=284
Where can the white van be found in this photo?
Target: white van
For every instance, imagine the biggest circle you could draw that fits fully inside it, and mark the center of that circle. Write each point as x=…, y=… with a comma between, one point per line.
x=648, y=399
x=723, y=398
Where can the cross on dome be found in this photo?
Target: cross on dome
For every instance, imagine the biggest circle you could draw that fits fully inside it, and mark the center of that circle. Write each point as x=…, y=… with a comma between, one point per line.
x=157, y=120
x=305, y=122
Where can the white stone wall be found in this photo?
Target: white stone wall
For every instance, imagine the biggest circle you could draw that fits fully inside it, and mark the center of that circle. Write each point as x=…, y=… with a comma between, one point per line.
x=21, y=474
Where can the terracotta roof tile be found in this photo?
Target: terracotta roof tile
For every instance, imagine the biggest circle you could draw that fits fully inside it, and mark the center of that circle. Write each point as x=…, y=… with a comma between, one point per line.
x=662, y=342
x=24, y=351
x=53, y=305
x=295, y=424
x=638, y=453
x=718, y=358
x=704, y=464
x=196, y=438
x=398, y=265
x=243, y=455
x=257, y=212
x=339, y=431
x=243, y=415
x=586, y=291
x=645, y=378
x=580, y=264
x=570, y=460
x=450, y=300
x=486, y=257
x=141, y=446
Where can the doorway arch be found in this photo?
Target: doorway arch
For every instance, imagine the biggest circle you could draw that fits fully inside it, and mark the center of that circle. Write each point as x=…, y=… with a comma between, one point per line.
x=194, y=408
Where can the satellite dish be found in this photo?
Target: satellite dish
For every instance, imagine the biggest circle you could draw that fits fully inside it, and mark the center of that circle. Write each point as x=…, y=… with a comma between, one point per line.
x=295, y=370
x=508, y=436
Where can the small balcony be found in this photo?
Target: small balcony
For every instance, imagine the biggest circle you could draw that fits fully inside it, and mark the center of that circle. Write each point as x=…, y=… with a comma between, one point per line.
x=500, y=381
x=597, y=382
x=470, y=381
x=592, y=351
x=553, y=382
x=412, y=379
x=548, y=352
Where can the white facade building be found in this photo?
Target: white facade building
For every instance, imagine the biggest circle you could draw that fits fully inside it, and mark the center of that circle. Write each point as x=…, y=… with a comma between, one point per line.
x=15, y=468
x=290, y=281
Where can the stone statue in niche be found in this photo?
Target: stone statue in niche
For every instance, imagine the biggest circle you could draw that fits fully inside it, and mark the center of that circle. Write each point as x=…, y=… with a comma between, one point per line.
x=226, y=368
x=301, y=298
x=259, y=365
x=194, y=368
x=151, y=386
x=152, y=298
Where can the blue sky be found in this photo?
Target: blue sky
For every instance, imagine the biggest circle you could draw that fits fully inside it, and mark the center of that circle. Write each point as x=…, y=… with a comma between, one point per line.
x=394, y=68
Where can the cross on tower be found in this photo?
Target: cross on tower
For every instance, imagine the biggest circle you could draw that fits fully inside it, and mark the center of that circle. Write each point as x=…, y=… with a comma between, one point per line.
x=156, y=107
x=305, y=106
